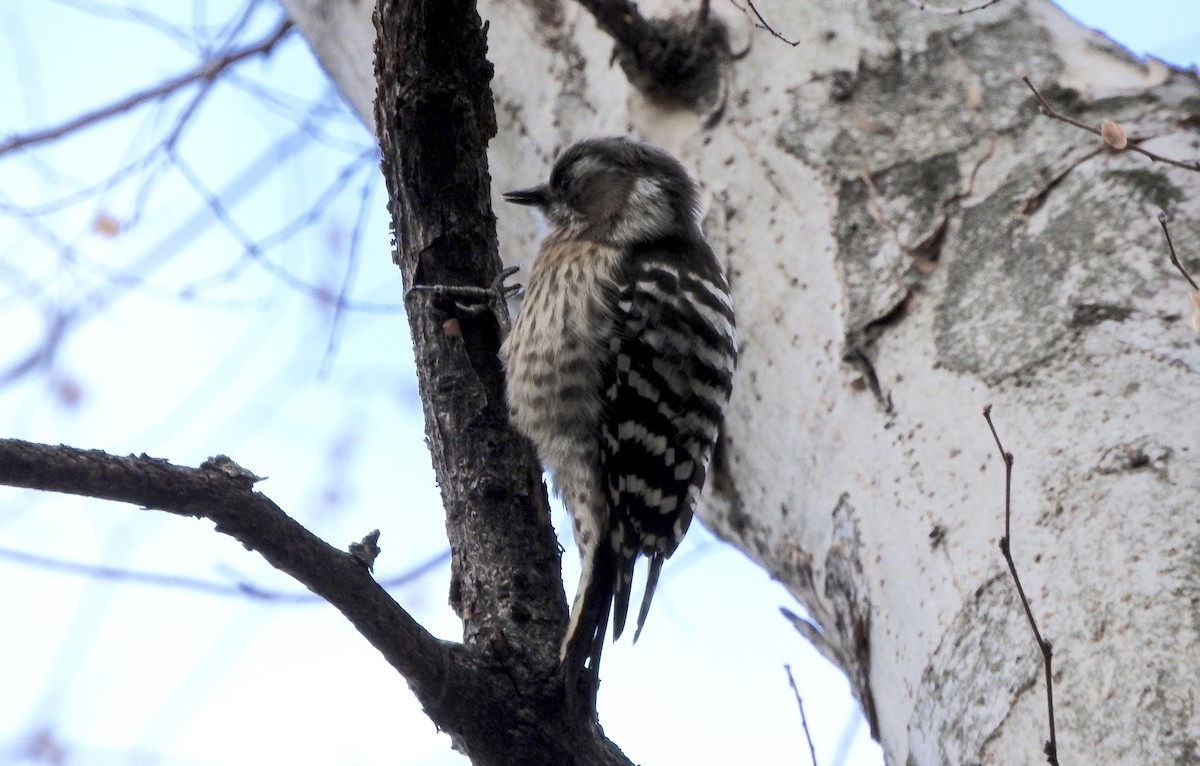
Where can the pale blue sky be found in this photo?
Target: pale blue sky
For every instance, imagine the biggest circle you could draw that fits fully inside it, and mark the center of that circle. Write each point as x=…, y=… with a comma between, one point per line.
x=1167, y=29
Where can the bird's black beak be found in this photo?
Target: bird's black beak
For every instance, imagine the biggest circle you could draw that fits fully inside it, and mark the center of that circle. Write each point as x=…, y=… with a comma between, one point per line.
x=538, y=196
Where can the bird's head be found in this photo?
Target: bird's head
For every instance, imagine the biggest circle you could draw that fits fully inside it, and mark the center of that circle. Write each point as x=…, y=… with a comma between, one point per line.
x=617, y=191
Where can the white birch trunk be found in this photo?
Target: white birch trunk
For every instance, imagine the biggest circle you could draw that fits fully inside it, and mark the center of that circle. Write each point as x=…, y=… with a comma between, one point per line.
x=909, y=239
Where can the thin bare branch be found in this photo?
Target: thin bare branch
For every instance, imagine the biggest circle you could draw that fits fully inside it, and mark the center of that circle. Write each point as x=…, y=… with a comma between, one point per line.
x=1051, y=746
x=812, y=751
x=137, y=273
x=142, y=18
x=240, y=589
x=207, y=71
x=462, y=686
x=353, y=254
x=1008, y=464
x=943, y=11
x=763, y=23
x=1131, y=145
x=255, y=250
x=1162, y=221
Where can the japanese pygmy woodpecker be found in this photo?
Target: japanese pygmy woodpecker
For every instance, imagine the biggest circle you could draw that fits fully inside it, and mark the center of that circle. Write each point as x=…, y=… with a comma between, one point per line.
x=619, y=367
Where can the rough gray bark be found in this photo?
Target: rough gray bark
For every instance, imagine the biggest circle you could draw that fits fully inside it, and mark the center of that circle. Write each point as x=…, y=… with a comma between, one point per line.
x=909, y=239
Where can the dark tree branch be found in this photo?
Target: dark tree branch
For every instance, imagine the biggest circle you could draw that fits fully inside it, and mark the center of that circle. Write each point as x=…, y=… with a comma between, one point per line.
x=435, y=111
x=223, y=492
x=434, y=119
x=477, y=693
x=1051, y=745
x=1162, y=221
x=679, y=58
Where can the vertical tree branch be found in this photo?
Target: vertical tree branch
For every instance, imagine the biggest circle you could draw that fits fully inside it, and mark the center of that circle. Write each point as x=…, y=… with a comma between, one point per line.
x=434, y=108
x=1051, y=745
x=434, y=118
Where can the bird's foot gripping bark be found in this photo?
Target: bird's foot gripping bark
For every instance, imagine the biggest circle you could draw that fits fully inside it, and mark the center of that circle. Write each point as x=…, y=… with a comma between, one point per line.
x=473, y=301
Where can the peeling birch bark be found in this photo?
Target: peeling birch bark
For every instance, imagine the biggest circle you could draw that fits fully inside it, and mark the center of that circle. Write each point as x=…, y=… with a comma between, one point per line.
x=908, y=239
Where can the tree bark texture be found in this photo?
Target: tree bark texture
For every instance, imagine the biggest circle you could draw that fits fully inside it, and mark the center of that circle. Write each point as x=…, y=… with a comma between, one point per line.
x=909, y=239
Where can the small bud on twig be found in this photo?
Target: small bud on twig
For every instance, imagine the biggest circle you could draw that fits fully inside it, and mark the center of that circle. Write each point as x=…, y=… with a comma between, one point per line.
x=1113, y=135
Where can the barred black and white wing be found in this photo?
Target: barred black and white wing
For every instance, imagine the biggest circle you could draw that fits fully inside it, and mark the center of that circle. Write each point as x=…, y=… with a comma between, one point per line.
x=668, y=377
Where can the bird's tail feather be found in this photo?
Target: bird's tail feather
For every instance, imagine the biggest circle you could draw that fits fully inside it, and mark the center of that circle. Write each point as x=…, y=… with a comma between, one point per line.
x=621, y=589
x=584, y=640
x=656, y=562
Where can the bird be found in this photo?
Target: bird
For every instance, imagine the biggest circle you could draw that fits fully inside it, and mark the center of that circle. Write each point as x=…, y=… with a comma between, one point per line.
x=619, y=369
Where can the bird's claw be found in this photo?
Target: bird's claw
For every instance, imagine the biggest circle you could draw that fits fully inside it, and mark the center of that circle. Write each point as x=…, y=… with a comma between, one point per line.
x=494, y=297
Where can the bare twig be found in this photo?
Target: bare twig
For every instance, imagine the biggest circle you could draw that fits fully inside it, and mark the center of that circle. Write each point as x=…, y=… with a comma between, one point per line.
x=137, y=273
x=1051, y=747
x=1131, y=145
x=927, y=8
x=1162, y=220
x=255, y=251
x=763, y=24
x=353, y=254
x=1008, y=464
x=240, y=589
x=812, y=751
x=205, y=72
